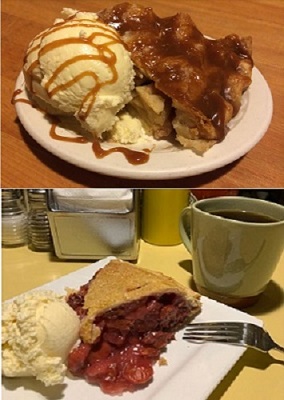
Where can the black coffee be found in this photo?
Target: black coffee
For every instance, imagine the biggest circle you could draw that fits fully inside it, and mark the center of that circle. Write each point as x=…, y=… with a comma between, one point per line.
x=245, y=216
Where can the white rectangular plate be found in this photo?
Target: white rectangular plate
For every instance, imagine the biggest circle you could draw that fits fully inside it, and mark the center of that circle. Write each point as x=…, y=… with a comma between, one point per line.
x=193, y=370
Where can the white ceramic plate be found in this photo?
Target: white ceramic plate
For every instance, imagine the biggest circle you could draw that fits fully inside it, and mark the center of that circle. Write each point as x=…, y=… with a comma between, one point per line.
x=166, y=161
x=193, y=370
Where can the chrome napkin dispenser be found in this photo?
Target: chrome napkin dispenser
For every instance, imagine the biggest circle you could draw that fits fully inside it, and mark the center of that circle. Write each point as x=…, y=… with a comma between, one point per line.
x=95, y=233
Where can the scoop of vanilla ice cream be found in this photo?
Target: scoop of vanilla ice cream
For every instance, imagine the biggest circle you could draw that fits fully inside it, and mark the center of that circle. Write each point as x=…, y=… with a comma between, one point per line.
x=79, y=66
x=38, y=331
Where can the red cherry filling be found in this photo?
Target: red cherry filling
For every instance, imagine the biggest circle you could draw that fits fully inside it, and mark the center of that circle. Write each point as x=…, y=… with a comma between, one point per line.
x=132, y=338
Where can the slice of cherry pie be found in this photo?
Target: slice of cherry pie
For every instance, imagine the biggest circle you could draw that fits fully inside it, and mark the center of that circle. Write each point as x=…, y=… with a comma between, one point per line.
x=128, y=316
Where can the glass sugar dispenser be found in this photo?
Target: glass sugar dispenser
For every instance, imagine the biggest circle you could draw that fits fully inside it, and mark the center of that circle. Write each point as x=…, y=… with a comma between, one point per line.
x=14, y=218
x=39, y=234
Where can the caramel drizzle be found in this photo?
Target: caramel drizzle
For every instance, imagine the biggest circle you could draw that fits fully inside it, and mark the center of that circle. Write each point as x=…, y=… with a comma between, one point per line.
x=133, y=157
x=54, y=135
x=14, y=100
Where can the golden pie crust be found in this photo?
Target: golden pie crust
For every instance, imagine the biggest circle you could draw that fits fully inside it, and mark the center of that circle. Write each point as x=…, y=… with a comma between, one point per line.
x=120, y=282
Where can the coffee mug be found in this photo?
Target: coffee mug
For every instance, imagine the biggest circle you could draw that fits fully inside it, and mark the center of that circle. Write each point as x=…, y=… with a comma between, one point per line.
x=235, y=243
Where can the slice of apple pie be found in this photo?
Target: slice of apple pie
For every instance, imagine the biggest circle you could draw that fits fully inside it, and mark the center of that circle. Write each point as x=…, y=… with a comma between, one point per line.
x=203, y=79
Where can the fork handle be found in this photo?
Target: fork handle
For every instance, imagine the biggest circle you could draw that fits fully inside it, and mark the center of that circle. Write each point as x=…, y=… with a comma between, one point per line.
x=279, y=348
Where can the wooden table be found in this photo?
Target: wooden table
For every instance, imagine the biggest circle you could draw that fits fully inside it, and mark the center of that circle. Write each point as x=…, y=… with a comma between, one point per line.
x=26, y=164
x=256, y=375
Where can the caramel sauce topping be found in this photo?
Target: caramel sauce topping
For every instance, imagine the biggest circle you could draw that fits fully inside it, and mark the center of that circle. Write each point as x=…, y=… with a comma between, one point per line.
x=197, y=73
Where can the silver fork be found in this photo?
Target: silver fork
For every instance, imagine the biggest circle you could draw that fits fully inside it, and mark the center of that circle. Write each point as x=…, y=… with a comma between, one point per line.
x=239, y=333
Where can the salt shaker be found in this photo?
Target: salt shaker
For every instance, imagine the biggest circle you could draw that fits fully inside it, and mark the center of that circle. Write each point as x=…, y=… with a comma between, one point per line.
x=39, y=233
x=14, y=218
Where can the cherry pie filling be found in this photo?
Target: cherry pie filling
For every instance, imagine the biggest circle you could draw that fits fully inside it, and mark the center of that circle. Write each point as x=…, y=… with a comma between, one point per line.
x=132, y=338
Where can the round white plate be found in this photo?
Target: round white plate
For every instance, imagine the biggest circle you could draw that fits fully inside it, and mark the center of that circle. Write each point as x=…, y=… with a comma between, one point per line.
x=167, y=161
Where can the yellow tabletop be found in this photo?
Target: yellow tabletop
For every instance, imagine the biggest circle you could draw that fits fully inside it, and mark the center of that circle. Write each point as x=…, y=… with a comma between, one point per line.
x=256, y=375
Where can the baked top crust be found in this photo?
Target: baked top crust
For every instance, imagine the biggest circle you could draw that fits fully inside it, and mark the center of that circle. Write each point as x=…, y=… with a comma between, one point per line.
x=119, y=283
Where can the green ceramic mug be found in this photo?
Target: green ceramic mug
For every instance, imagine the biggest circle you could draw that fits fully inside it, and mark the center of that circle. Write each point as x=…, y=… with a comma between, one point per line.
x=235, y=243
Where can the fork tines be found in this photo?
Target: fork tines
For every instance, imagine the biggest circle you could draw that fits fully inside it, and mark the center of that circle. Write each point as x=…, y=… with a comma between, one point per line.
x=227, y=332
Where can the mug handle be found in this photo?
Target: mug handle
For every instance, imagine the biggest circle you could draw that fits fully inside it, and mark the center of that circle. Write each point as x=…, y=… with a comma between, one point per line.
x=185, y=227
